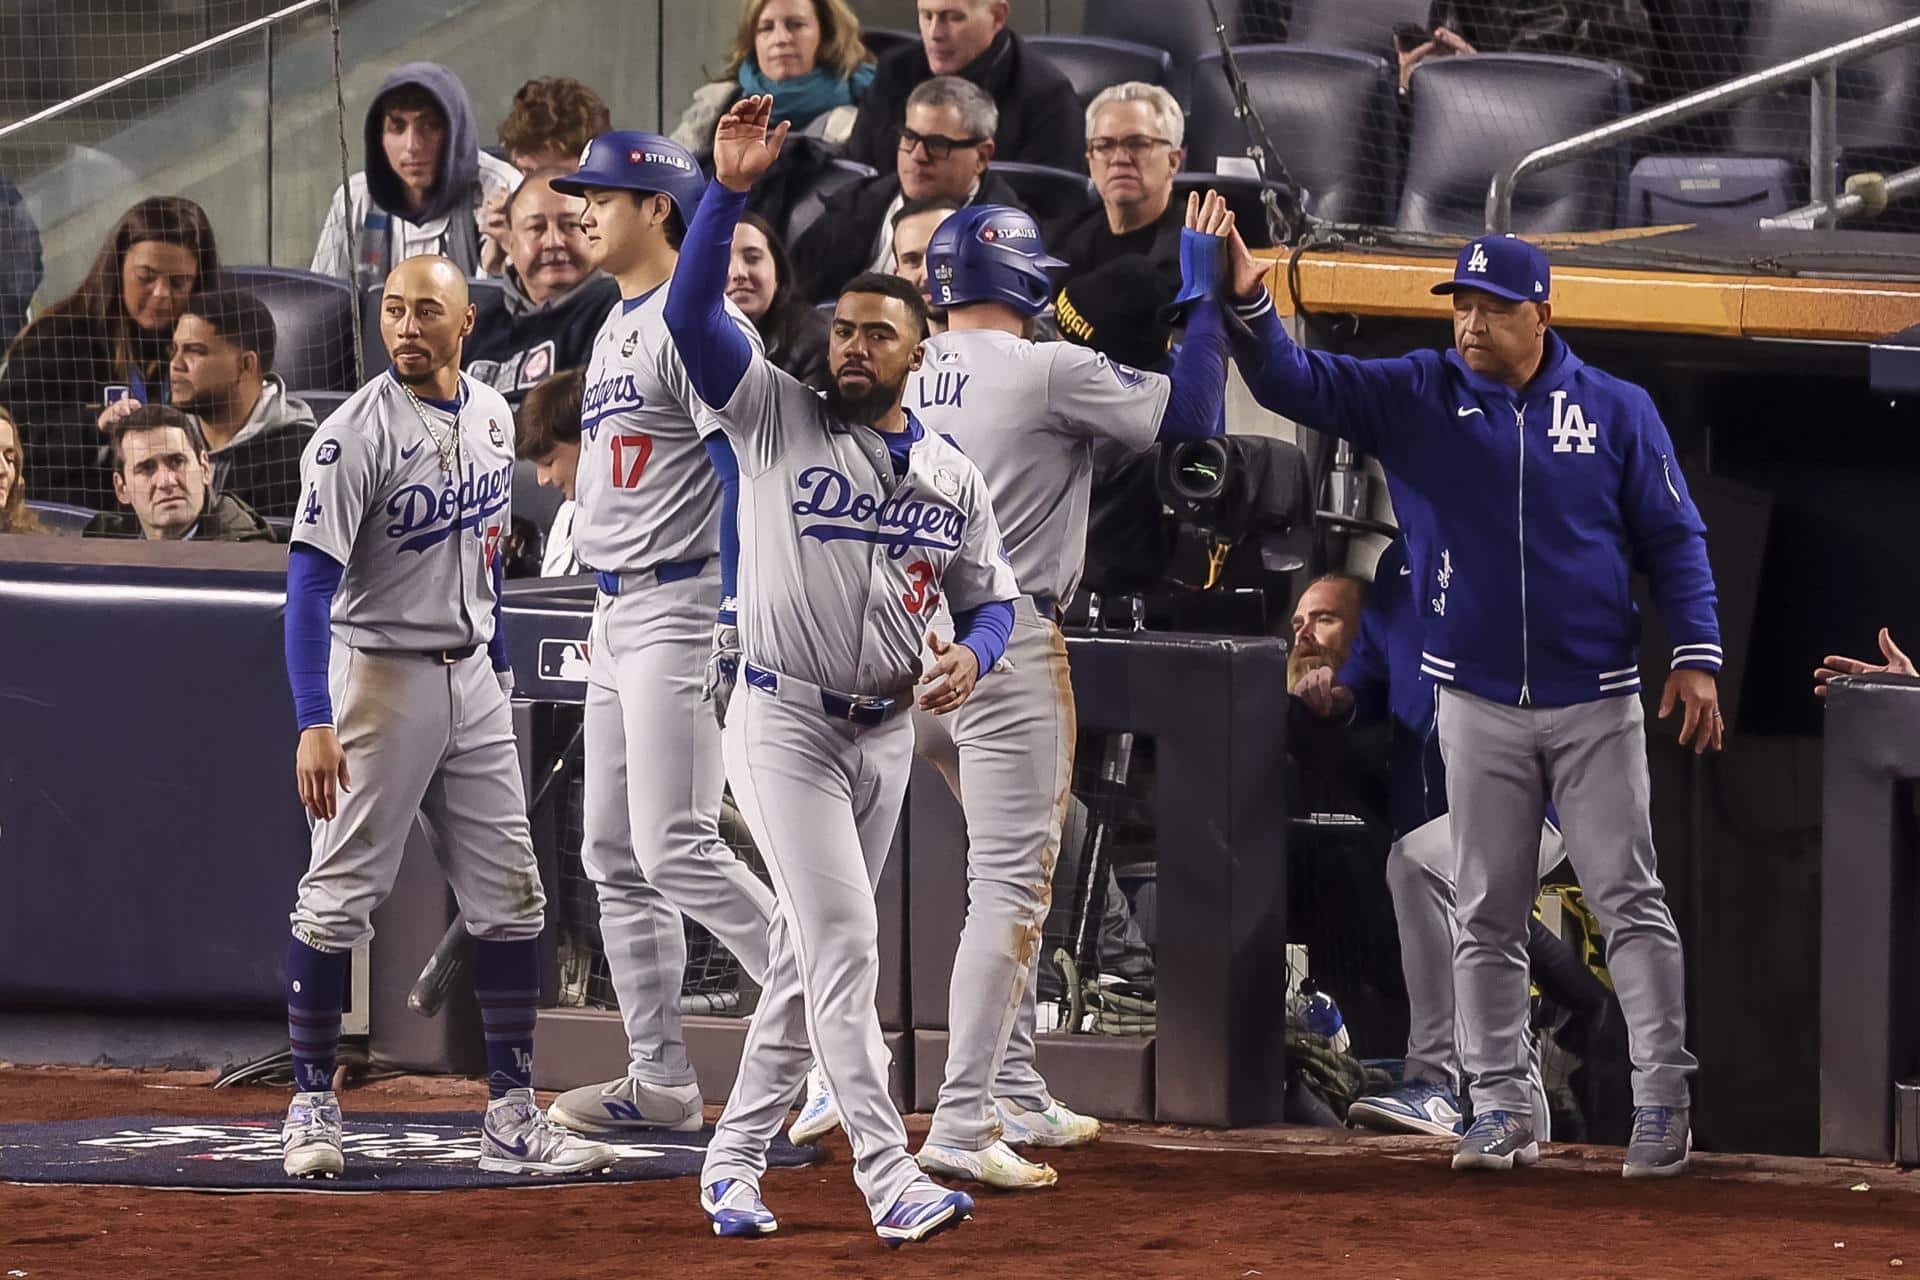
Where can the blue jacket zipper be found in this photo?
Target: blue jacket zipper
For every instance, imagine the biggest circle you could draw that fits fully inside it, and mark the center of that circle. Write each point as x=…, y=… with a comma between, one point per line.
x=1520, y=422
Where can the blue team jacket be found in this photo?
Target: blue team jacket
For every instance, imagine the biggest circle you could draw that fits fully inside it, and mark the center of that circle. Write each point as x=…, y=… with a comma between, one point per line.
x=1383, y=670
x=1541, y=501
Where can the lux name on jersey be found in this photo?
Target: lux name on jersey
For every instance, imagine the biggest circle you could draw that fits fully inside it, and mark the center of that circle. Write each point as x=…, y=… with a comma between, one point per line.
x=426, y=518
x=918, y=523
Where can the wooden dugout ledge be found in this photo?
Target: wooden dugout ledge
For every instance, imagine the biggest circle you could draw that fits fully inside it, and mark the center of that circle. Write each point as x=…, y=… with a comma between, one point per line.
x=1654, y=300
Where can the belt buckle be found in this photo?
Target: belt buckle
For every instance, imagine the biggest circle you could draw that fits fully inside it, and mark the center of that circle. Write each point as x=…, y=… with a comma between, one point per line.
x=870, y=705
x=446, y=658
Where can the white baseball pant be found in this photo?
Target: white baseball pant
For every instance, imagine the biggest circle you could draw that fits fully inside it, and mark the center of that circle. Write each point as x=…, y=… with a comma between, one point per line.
x=651, y=823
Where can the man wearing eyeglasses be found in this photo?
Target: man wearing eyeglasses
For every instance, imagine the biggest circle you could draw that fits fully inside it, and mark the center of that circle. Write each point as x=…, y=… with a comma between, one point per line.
x=1135, y=133
x=943, y=152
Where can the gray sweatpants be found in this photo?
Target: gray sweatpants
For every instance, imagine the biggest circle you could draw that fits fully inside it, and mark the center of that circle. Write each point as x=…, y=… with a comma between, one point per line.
x=651, y=840
x=1503, y=763
x=1008, y=755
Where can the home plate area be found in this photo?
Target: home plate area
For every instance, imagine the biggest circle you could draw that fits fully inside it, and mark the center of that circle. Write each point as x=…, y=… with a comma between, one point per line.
x=418, y=1151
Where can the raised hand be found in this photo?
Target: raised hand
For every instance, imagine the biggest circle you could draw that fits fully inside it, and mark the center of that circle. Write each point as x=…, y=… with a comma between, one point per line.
x=743, y=147
x=1896, y=664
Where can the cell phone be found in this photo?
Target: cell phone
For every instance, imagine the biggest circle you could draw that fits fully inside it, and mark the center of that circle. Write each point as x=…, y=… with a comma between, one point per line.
x=114, y=393
x=1408, y=36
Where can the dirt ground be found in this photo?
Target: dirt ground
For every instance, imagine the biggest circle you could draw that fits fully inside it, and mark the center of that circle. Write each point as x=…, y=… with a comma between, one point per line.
x=1144, y=1202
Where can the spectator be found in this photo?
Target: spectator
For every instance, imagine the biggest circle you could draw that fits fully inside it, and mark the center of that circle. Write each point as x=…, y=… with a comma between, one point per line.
x=805, y=53
x=760, y=282
x=943, y=152
x=426, y=186
x=1833, y=665
x=1135, y=137
x=551, y=122
x=554, y=300
x=14, y=515
x=108, y=340
x=1325, y=622
x=548, y=429
x=1609, y=30
x=913, y=226
x=1119, y=310
x=969, y=38
x=162, y=470
x=222, y=374
x=20, y=269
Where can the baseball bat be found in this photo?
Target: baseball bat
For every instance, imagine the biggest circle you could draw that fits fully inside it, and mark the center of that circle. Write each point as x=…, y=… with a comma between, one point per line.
x=429, y=992
x=1116, y=762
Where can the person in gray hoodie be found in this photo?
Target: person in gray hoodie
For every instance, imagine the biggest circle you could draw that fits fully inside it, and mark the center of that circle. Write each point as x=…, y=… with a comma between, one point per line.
x=222, y=374
x=427, y=187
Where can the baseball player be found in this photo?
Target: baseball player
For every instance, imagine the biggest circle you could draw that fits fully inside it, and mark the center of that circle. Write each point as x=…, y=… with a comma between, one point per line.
x=1546, y=480
x=1028, y=415
x=1381, y=679
x=647, y=520
x=855, y=521
x=400, y=679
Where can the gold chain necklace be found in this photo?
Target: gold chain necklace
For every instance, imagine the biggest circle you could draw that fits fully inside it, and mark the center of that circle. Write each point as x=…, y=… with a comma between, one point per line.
x=447, y=444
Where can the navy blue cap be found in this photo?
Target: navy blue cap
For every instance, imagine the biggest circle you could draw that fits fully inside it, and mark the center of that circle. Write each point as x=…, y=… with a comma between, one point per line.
x=1505, y=266
x=628, y=160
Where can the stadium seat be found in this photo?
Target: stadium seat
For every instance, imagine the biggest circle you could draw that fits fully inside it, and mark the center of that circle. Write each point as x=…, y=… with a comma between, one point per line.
x=1244, y=197
x=1092, y=62
x=1879, y=99
x=1045, y=192
x=1362, y=25
x=1475, y=116
x=1333, y=115
x=881, y=41
x=808, y=208
x=1708, y=189
x=313, y=323
x=1184, y=28
x=487, y=296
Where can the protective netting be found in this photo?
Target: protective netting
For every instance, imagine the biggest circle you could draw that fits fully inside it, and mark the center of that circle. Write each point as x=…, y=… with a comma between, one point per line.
x=1398, y=113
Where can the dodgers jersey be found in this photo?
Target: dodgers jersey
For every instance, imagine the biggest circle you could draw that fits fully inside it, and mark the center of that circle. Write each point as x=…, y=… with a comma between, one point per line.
x=417, y=542
x=841, y=564
x=645, y=493
x=1028, y=415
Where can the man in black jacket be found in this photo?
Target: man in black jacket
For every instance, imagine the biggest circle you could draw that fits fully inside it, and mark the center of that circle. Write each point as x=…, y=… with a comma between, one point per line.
x=1039, y=114
x=943, y=153
x=555, y=302
x=1135, y=144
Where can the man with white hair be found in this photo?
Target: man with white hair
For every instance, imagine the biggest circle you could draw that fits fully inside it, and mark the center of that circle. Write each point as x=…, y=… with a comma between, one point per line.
x=1135, y=144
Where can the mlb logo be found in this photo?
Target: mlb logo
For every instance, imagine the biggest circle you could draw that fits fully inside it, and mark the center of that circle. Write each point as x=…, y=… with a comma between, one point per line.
x=989, y=235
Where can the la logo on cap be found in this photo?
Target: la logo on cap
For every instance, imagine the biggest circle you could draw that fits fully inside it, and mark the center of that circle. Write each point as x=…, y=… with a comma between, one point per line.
x=1478, y=261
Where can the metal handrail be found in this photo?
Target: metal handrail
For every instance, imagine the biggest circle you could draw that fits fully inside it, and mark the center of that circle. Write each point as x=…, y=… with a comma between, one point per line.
x=1500, y=191
x=159, y=64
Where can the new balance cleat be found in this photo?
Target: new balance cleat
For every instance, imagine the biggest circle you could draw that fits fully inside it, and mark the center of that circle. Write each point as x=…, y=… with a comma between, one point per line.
x=735, y=1209
x=1058, y=1126
x=998, y=1165
x=517, y=1137
x=1497, y=1140
x=628, y=1103
x=310, y=1136
x=1661, y=1144
x=819, y=1114
x=1418, y=1106
x=923, y=1210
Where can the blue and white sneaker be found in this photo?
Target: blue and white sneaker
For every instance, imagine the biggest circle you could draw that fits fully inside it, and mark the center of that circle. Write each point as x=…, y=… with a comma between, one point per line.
x=819, y=1114
x=1497, y=1140
x=735, y=1209
x=923, y=1210
x=311, y=1135
x=1661, y=1144
x=1418, y=1106
x=517, y=1137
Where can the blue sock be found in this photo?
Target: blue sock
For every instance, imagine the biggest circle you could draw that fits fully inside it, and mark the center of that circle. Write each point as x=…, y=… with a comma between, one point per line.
x=316, y=989
x=506, y=981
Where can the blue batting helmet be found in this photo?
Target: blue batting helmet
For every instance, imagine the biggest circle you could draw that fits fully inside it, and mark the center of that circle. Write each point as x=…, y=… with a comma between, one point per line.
x=628, y=160
x=990, y=253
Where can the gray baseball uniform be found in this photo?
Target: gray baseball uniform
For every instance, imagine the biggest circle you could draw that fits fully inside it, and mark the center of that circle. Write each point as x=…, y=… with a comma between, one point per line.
x=1028, y=415
x=423, y=730
x=842, y=565
x=647, y=516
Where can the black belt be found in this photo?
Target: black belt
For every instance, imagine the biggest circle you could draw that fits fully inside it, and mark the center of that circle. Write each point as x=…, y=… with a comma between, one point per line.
x=865, y=711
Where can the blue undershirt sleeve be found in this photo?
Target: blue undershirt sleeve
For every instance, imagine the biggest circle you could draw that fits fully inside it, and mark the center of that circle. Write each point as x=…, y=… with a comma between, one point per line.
x=711, y=346
x=727, y=467
x=313, y=577
x=985, y=629
x=497, y=647
x=1199, y=379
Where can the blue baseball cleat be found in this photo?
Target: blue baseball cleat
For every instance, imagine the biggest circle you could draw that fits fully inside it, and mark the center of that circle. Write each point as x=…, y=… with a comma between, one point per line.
x=924, y=1210
x=1498, y=1140
x=734, y=1208
x=1418, y=1106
